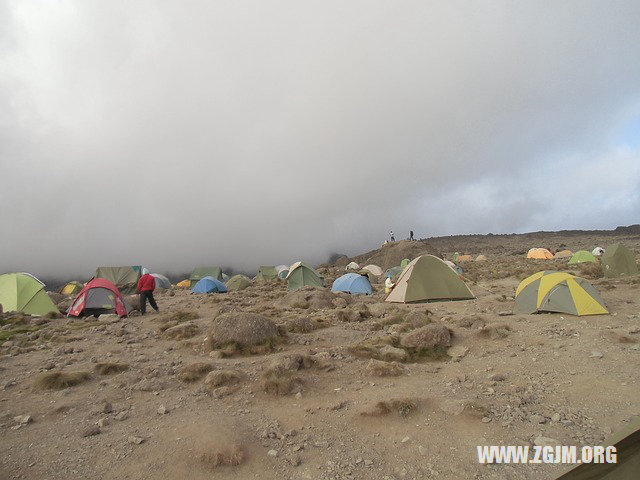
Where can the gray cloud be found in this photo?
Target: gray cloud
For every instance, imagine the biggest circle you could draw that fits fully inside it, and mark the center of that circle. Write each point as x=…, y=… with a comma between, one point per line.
x=244, y=133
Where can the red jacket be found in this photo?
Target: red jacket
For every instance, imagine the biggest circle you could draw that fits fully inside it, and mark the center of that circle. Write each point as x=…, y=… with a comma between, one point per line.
x=147, y=283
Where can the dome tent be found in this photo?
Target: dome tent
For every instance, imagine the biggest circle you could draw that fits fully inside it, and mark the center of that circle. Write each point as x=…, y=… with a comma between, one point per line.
x=71, y=288
x=374, y=269
x=352, y=266
x=352, y=283
x=561, y=292
x=618, y=260
x=539, y=253
x=199, y=273
x=582, y=256
x=301, y=274
x=161, y=281
x=186, y=283
x=209, y=285
x=22, y=292
x=124, y=278
x=427, y=278
x=597, y=251
x=99, y=296
x=268, y=272
x=238, y=282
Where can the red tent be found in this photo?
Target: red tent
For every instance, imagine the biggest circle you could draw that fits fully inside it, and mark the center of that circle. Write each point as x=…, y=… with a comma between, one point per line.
x=98, y=296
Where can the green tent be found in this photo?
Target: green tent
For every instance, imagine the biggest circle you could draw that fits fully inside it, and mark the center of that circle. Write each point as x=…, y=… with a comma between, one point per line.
x=618, y=260
x=125, y=278
x=21, y=292
x=393, y=271
x=428, y=278
x=627, y=466
x=268, y=272
x=199, y=273
x=238, y=282
x=582, y=256
x=301, y=275
x=405, y=262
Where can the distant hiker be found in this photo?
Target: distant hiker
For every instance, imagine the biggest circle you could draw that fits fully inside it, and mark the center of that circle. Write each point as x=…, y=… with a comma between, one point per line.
x=388, y=285
x=393, y=239
x=146, y=286
x=410, y=234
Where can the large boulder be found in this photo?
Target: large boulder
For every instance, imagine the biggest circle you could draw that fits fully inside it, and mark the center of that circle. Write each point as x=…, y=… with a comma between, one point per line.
x=241, y=329
x=430, y=336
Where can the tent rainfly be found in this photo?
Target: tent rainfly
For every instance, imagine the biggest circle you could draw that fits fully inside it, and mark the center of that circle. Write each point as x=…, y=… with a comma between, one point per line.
x=124, y=278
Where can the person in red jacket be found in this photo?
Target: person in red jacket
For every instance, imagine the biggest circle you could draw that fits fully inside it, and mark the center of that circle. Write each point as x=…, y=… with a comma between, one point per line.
x=146, y=286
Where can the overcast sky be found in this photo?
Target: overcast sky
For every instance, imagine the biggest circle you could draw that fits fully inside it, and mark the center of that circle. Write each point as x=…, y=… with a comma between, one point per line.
x=174, y=134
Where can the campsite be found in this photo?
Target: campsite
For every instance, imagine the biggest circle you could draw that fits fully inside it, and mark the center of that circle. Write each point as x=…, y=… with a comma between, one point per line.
x=318, y=374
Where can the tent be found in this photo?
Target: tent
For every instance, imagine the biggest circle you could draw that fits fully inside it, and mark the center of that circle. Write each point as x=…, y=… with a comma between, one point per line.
x=352, y=283
x=71, y=288
x=209, y=285
x=561, y=292
x=455, y=267
x=481, y=258
x=404, y=262
x=267, y=273
x=125, y=278
x=428, y=278
x=300, y=275
x=22, y=292
x=199, y=273
x=99, y=296
x=627, y=465
x=618, y=260
x=393, y=271
x=563, y=254
x=238, y=282
x=186, y=283
x=352, y=266
x=161, y=281
x=582, y=256
x=376, y=270
x=282, y=274
x=463, y=258
x=597, y=251
x=539, y=253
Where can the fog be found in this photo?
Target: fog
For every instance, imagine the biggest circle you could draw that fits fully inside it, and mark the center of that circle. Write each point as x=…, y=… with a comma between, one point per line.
x=241, y=133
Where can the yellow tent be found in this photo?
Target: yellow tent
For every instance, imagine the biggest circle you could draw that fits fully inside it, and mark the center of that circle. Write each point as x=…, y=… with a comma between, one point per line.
x=540, y=253
x=560, y=292
x=184, y=284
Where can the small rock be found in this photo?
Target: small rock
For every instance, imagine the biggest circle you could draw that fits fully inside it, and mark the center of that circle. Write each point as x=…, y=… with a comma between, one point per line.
x=135, y=440
x=107, y=408
x=299, y=395
x=505, y=313
x=596, y=354
x=555, y=417
x=535, y=418
x=91, y=431
x=102, y=422
x=457, y=352
x=272, y=453
x=122, y=416
x=498, y=377
x=162, y=410
x=405, y=439
x=486, y=419
x=23, y=419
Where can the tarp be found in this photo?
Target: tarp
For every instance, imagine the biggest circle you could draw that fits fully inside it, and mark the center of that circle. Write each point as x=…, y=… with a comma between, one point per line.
x=72, y=288
x=209, y=285
x=428, y=278
x=582, y=256
x=161, y=280
x=539, y=253
x=22, y=292
x=618, y=260
x=301, y=275
x=199, y=273
x=561, y=292
x=238, y=282
x=352, y=266
x=125, y=278
x=267, y=272
x=99, y=296
x=375, y=269
x=352, y=283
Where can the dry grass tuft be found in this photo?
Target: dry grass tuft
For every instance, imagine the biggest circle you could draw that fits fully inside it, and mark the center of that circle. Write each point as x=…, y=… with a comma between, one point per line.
x=195, y=371
x=183, y=316
x=590, y=270
x=231, y=456
x=401, y=406
x=379, y=368
x=495, y=331
x=110, y=368
x=60, y=380
x=280, y=381
x=52, y=315
x=222, y=378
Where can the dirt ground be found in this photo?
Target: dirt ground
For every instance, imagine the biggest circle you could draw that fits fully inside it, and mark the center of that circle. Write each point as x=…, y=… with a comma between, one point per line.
x=325, y=411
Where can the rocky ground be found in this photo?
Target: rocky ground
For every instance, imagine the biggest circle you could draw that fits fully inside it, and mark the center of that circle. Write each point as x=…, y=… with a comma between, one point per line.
x=265, y=383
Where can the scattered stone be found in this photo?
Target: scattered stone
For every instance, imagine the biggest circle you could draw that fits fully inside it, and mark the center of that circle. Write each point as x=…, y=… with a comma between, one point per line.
x=393, y=354
x=596, y=354
x=535, y=418
x=555, y=417
x=162, y=410
x=272, y=453
x=122, y=416
x=135, y=440
x=486, y=419
x=505, y=313
x=23, y=419
x=103, y=422
x=91, y=431
x=457, y=352
x=107, y=408
x=405, y=439
x=498, y=377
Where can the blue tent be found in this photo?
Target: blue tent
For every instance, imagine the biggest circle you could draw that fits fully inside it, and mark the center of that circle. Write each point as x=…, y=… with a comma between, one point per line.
x=209, y=285
x=352, y=283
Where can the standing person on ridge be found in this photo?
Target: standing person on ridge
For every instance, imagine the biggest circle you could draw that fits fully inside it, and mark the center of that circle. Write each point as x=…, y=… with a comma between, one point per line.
x=410, y=234
x=146, y=286
x=393, y=239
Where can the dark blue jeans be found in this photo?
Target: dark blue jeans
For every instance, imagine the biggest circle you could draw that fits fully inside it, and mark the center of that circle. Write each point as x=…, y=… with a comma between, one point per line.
x=144, y=296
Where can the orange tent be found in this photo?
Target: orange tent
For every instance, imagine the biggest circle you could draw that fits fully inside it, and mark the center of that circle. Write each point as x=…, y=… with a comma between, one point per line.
x=541, y=253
